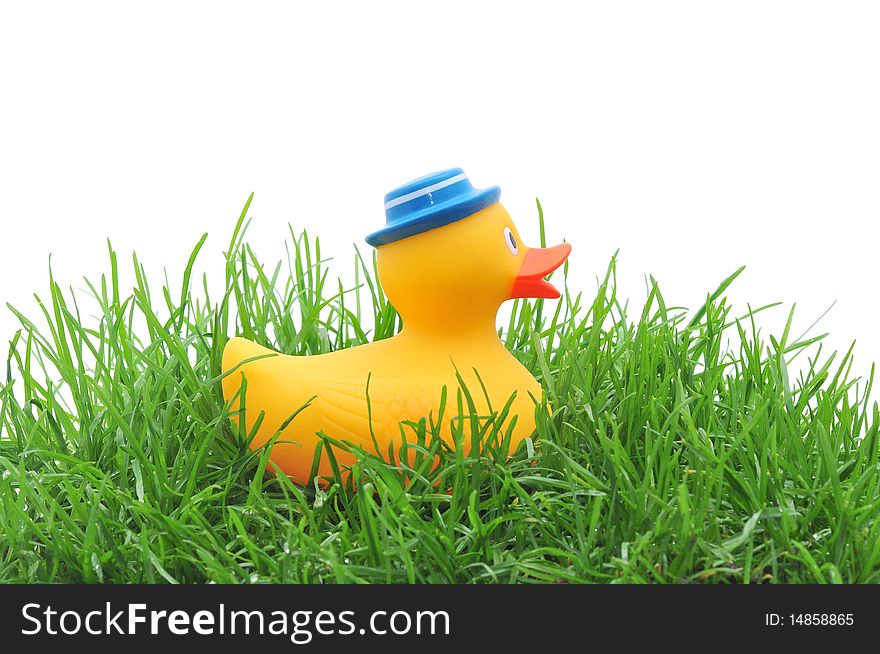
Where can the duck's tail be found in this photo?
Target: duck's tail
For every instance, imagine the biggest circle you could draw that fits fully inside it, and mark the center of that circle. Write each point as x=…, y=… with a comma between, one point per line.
x=237, y=355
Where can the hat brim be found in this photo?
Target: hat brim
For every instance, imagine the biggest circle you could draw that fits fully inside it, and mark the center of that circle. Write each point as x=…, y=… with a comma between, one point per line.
x=437, y=215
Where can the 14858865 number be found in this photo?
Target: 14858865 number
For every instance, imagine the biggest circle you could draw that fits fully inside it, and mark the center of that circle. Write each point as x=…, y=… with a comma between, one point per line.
x=821, y=619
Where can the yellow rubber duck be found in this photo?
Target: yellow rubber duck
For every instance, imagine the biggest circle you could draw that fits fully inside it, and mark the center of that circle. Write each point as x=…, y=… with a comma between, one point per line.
x=448, y=256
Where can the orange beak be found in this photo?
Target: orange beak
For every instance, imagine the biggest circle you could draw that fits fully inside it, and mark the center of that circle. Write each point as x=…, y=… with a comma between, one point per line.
x=539, y=263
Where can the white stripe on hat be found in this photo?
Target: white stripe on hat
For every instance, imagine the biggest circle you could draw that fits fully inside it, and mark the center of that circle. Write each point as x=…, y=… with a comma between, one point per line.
x=425, y=191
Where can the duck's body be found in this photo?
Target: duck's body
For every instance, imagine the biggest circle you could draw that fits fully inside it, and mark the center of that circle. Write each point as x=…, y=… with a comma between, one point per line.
x=403, y=377
x=447, y=283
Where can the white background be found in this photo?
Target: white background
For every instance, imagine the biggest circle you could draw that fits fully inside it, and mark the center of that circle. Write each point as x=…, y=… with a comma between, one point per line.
x=693, y=136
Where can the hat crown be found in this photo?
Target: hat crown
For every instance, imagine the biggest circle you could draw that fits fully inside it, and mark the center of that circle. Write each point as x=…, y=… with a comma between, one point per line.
x=430, y=201
x=425, y=191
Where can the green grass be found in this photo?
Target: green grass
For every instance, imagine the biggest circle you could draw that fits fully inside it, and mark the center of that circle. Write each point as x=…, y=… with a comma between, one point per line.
x=669, y=456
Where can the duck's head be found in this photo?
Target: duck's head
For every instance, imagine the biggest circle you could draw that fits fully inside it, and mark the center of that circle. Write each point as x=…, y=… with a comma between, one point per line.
x=450, y=254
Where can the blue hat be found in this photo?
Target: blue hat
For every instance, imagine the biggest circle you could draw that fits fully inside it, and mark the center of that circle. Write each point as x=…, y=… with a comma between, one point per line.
x=428, y=202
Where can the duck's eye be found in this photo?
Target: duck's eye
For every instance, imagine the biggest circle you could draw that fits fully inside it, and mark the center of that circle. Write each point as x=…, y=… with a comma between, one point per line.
x=510, y=239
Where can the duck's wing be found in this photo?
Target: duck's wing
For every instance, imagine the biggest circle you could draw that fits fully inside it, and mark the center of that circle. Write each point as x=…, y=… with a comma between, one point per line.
x=376, y=409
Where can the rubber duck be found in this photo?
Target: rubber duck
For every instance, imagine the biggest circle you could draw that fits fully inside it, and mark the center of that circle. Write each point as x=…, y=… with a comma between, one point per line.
x=448, y=256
